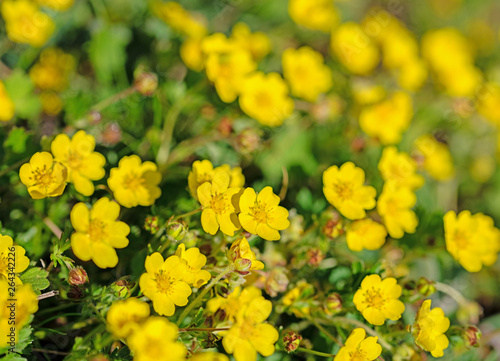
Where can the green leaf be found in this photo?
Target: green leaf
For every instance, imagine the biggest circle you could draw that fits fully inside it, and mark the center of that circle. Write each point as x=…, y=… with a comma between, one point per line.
x=17, y=140
x=37, y=277
x=20, y=89
x=198, y=320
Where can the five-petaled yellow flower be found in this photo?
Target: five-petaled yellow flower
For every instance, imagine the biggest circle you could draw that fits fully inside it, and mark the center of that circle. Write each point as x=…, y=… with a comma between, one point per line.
x=344, y=188
x=365, y=234
x=194, y=260
x=359, y=348
x=429, y=328
x=21, y=262
x=262, y=215
x=163, y=283
x=400, y=168
x=125, y=317
x=98, y=232
x=43, y=176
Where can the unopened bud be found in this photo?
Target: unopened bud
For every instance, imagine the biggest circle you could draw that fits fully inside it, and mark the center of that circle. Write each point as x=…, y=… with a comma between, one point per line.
x=225, y=126
x=333, y=226
x=472, y=335
x=248, y=141
x=146, y=83
x=242, y=266
x=122, y=287
x=177, y=230
x=77, y=276
x=333, y=304
x=314, y=257
x=151, y=224
x=291, y=341
x=276, y=281
x=425, y=287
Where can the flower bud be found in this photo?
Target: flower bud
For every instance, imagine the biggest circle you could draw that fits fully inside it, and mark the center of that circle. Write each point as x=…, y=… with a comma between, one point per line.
x=241, y=256
x=314, y=257
x=146, y=83
x=471, y=336
x=333, y=226
x=333, y=304
x=151, y=224
x=122, y=287
x=242, y=266
x=248, y=141
x=425, y=287
x=77, y=276
x=291, y=341
x=177, y=229
x=276, y=281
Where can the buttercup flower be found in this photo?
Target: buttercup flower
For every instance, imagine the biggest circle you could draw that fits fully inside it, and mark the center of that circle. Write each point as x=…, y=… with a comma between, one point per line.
x=343, y=188
x=52, y=71
x=192, y=54
x=429, y=328
x=157, y=341
x=218, y=205
x=163, y=283
x=179, y=18
x=399, y=167
x=377, y=299
x=203, y=171
x=472, y=240
x=437, y=157
x=7, y=108
x=78, y=156
x=261, y=215
x=98, y=232
x=234, y=302
x=314, y=14
x=257, y=43
x=365, y=234
x=194, y=261
x=21, y=261
x=242, y=257
x=359, y=348
x=135, y=183
x=125, y=317
x=43, y=176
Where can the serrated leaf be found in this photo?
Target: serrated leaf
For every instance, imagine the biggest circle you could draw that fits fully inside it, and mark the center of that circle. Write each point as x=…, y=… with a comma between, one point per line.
x=37, y=277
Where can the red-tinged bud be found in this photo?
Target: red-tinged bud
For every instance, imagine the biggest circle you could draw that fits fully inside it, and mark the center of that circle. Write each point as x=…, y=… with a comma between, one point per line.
x=314, y=257
x=151, y=224
x=333, y=226
x=112, y=134
x=291, y=341
x=242, y=266
x=225, y=126
x=425, y=287
x=471, y=336
x=146, y=83
x=177, y=229
x=77, y=276
x=333, y=304
x=122, y=287
x=248, y=141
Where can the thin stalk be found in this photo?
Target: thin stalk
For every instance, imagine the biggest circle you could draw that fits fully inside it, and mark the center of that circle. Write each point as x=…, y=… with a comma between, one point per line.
x=315, y=353
x=368, y=330
x=113, y=99
x=13, y=167
x=450, y=291
x=188, y=214
x=167, y=134
x=203, y=329
x=328, y=334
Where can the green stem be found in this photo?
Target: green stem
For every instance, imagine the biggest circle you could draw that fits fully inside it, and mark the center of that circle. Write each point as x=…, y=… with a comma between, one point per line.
x=368, y=330
x=167, y=134
x=188, y=214
x=203, y=329
x=315, y=353
x=13, y=167
x=113, y=99
x=188, y=309
x=328, y=334
x=450, y=291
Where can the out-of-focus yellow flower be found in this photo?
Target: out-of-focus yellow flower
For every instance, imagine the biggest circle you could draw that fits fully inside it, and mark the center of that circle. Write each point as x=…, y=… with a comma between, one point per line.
x=344, y=188
x=314, y=14
x=163, y=283
x=209, y=356
x=482, y=168
x=258, y=43
x=366, y=92
x=234, y=302
x=135, y=183
x=305, y=71
x=7, y=108
x=192, y=54
x=157, y=341
x=365, y=234
x=124, y=317
x=52, y=103
x=262, y=215
x=43, y=176
x=264, y=97
x=378, y=301
x=394, y=206
x=78, y=156
x=354, y=49
x=357, y=347
x=437, y=160
x=21, y=262
x=53, y=69
x=25, y=23
x=236, y=177
x=388, y=119
x=412, y=75
x=400, y=168
x=429, y=328
x=179, y=18
x=203, y=171
x=58, y=5
x=487, y=102
x=98, y=232
x=241, y=256
x=296, y=299
x=194, y=261
x=472, y=240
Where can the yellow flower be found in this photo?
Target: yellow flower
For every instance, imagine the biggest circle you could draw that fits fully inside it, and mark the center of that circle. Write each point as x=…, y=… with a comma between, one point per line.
x=305, y=71
x=179, y=18
x=314, y=14
x=157, y=341
x=472, y=240
x=52, y=71
x=78, y=156
x=43, y=176
x=163, y=283
x=218, y=202
x=258, y=44
x=21, y=262
x=354, y=49
x=237, y=179
x=234, y=302
x=135, y=183
x=264, y=97
x=249, y=334
x=203, y=171
x=413, y=74
x=58, y=5
x=7, y=108
x=98, y=232
x=344, y=188
x=429, y=328
x=242, y=257
x=297, y=299
x=388, y=119
x=399, y=168
x=261, y=214
x=365, y=92
x=378, y=301
x=125, y=317
x=359, y=348
x=394, y=206
x=209, y=356
x=194, y=261
x=25, y=23
x=192, y=54
x=437, y=157
x=52, y=103
x=487, y=102
x=25, y=304
x=365, y=234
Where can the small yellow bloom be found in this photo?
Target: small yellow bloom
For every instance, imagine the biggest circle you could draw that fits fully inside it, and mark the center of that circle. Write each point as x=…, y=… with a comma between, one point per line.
x=209, y=356
x=297, y=299
x=258, y=43
x=58, y=5
x=366, y=92
x=365, y=234
x=218, y=202
x=7, y=108
x=135, y=183
x=314, y=14
x=359, y=348
x=264, y=97
x=437, y=157
x=399, y=167
x=413, y=74
x=487, y=102
x=43, y=176
x=344, y=188
x=163, y=283
x=21, y=262
x=242, y=257
x=237, y=179
x=98, y=232
x=203, y=171
x=194, y=261
x=261, y=214
x=378, y=301
x=234, y=302
x=429, y=328
x=394, y=206
x=157, y=341
x=52, y=104
x=388, y=119
x=179, y=19
x=472, y=240
x=192, y=54
x=53, y=69
x=125, y=317
x=305, y=71
x=78, y=156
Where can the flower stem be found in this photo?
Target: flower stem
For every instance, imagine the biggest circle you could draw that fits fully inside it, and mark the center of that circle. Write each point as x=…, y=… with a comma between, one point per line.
x=368, y=330
x=328, y=334
x=202, y=294
x=450, y=291
x=315, y=353
x=188, y=214
x=13, y=166
x=203, y=329
x=113, y=99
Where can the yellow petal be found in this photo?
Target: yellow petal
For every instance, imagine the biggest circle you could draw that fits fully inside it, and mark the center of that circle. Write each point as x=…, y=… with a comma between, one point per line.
x=209, y=220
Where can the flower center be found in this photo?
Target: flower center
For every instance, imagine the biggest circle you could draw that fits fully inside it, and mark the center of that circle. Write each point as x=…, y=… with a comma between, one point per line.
x=133, y=181
x=375, y=298
x=344, y=190
x=259, y=213
x=219, y=203
x=74, y=160
x=263, y=100
x=163, y=282
x=358, y=355
x=43, y=177
x=461, y=239
x=97, y=230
